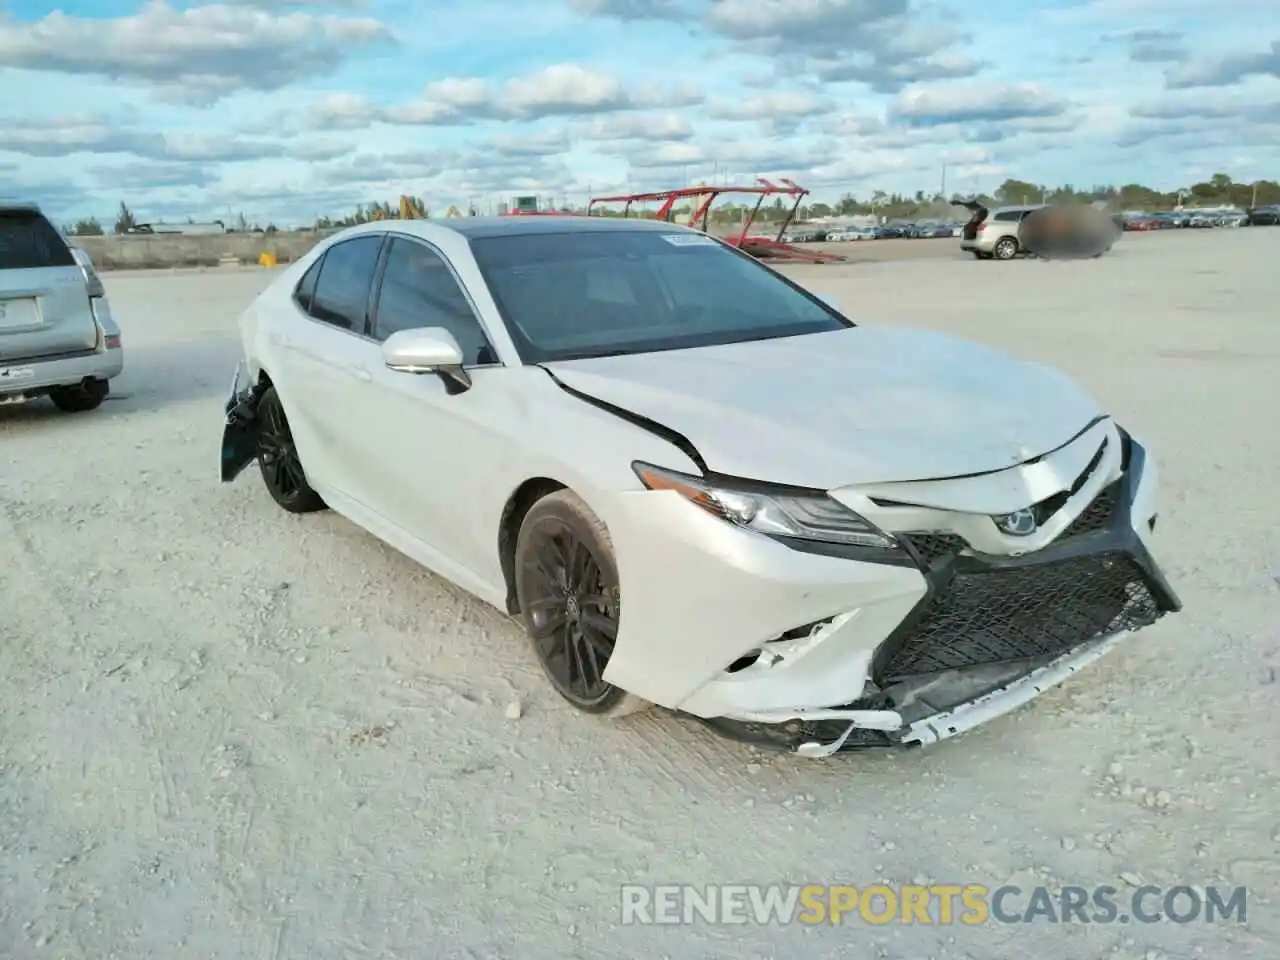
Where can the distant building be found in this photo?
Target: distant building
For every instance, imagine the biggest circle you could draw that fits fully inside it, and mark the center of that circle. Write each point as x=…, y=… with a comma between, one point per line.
x=188, y=229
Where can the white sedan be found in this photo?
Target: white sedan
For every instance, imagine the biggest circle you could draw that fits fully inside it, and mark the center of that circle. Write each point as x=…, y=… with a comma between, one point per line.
x=823, y=535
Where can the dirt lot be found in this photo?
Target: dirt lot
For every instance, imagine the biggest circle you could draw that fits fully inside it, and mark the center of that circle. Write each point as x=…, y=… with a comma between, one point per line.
x=226, y=732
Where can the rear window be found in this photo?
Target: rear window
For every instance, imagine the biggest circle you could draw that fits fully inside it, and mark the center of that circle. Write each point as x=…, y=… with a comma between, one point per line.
x=28, y=240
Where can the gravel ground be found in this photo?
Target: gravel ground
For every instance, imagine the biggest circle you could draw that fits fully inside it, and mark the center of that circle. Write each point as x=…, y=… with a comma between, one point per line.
x=227, y=732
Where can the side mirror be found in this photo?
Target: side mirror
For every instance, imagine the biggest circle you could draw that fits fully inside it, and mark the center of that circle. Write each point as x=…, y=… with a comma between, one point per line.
x=427, y=350
x=830, y=299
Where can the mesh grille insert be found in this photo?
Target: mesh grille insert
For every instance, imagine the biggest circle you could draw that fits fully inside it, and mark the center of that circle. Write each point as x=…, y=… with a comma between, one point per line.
x=992, y=616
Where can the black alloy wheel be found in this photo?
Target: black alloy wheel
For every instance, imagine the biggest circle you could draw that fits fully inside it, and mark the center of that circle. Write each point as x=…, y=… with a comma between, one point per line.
x=278, y=459
x=567, y=587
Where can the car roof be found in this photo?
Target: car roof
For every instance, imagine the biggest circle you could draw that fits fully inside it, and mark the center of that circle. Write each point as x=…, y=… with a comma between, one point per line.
x=474, y=228
x=1018, y=206
x=26, y=206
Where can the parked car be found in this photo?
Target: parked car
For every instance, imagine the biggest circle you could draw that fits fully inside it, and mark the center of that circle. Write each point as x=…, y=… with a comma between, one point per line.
x=1264, y=216
x=993, y=234
x=57, y=335
x=843, y=234
x=508, y=402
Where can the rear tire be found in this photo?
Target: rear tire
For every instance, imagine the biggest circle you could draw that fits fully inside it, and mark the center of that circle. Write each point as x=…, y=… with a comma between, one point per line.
x=1005, y=249
x=278, y=459
x=81, y=398
x=567, y=587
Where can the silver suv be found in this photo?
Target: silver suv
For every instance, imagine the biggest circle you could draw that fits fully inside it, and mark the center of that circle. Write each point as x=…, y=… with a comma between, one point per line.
x=57, y=336
x=994, y=234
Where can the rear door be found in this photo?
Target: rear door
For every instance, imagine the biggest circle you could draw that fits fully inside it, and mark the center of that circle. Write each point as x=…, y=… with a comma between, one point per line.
x=978, y=215
x=44, y=300
x=323, y=373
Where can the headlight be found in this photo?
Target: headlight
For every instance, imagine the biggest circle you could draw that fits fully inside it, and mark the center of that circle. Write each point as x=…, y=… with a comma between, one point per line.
x=774, y=513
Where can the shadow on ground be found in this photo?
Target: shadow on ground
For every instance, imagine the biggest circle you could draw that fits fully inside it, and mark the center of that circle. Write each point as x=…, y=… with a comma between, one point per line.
x=154, y=377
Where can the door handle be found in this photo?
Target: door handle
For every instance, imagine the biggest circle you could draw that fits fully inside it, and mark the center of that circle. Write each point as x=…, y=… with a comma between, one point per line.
x=279, y=339
x=360, y=372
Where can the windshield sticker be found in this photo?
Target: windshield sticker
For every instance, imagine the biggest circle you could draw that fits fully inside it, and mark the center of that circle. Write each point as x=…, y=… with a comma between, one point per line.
x=688, y=239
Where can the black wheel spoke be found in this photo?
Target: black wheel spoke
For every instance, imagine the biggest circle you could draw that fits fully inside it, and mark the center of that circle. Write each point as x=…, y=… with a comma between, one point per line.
x=555, y=623
x=589, y=656
x=545, y=572
x=601, y=624
x=575, y=664
x=294, y=470
x=580, y=566
x=274, y=471
x=557, y=661
x=570, y=611
x=281, y=467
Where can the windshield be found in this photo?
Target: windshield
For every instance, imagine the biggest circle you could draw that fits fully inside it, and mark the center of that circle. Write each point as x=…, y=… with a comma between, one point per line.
x=584, y=294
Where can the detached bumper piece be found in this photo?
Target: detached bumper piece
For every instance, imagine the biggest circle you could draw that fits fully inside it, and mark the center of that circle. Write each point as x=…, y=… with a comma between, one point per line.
x=992, y=632
x=239, y=430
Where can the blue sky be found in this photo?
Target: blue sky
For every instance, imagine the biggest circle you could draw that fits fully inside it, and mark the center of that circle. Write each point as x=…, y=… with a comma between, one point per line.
x=284, y=110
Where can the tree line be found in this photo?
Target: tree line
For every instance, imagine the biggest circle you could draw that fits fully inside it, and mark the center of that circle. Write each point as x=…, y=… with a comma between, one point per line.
x=1220, y=189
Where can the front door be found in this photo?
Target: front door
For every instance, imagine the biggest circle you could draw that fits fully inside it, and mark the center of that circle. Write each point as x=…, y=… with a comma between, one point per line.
x=435, y=448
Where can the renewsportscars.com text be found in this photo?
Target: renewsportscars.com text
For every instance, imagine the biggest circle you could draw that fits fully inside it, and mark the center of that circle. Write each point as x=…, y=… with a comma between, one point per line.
x=936, y=904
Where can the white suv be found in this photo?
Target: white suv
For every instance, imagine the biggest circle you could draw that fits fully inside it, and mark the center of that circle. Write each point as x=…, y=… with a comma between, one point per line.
x=57, y=336
x=993, y=234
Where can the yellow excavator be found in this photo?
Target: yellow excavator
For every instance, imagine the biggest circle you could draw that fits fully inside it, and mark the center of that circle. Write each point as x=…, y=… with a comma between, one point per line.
x=411, y=208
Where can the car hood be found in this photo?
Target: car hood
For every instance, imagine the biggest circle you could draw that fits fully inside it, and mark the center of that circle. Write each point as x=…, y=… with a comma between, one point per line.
x=860, y=405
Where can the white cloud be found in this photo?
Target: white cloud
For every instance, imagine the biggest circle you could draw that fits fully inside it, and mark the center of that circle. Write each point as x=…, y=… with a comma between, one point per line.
x=289, y=109
x=197, y=55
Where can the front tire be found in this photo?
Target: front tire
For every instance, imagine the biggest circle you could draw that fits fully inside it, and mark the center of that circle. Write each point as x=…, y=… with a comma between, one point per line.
x=278, y=459
x=1006, y=249
x=567, y=587
x=81, y=398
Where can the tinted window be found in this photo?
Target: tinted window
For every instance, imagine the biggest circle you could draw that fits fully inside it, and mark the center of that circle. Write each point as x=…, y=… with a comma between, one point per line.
x=419, y=290
x=342, y=292
x=28, y=240
x=584, y=294
x=1009, y=215
x=307, y=285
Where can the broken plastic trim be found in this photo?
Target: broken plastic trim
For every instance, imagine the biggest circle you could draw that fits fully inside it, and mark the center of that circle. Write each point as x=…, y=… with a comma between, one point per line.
x=239, y=432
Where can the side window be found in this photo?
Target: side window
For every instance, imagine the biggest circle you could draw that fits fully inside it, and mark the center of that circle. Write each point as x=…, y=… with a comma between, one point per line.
x=306, y=290
x=342, y=291
x=419, y=290
x=1007, y=216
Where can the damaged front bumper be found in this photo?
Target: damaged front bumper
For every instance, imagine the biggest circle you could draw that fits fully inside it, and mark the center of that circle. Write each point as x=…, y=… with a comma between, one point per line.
x=828, y=732
x=890, y=655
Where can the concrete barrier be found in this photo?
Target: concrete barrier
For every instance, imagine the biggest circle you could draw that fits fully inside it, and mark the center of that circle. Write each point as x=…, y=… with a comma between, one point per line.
x=158, y=251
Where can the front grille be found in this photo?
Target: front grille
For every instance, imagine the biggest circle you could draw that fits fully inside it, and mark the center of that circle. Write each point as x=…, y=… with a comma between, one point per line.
x=1098, y=515
x=933, y=547
x=992, y=615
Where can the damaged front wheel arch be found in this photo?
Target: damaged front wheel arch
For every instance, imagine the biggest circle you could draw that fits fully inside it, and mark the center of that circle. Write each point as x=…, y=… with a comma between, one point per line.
x=516, y=509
